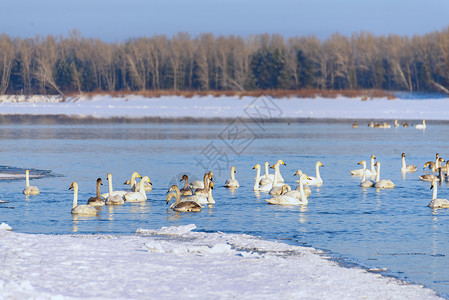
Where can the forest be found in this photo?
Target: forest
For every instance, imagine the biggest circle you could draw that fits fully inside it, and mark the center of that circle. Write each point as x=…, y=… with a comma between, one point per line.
x=73, y=64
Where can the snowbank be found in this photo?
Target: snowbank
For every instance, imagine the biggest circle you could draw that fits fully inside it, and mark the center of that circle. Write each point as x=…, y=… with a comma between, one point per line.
x=178, y=263
x=229, y=107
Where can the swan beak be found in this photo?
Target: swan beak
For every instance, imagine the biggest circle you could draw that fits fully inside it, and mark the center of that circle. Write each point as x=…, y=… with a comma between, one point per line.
x=431, y=186
x=308, y=178
x=321, y=165
x=272, y=167
x=359, y=163
x=254, y=167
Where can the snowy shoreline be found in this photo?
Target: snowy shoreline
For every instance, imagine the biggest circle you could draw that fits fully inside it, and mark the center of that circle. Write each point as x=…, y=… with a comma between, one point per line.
x=213, y=108
x=178, y=262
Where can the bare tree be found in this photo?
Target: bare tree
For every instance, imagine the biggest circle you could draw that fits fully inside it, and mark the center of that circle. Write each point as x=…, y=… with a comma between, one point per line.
x=46, y=58
x=7, y=56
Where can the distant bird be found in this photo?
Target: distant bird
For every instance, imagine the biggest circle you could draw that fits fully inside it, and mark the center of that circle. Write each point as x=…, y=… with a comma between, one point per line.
x=396, y=123
x=421, y=126
x=355, y=125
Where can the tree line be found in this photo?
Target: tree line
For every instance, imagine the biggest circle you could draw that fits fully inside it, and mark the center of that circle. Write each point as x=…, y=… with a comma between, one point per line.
x=73, y=64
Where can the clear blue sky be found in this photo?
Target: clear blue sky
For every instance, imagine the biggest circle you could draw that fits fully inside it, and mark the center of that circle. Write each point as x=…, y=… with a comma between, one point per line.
x=112, y=20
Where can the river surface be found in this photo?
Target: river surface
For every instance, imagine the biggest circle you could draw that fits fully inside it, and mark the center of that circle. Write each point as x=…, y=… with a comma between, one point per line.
x=390, y=229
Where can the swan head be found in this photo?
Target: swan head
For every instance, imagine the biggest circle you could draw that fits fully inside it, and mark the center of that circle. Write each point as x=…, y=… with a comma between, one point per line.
x=146, y=179
x=184, y=177
x=173, y=188
x=304, y=177
x=74, y=185
x=318, y=163
x=281, y=162
x=403, y=154
x=377, y=164
x=135, y=174
x=128, y=182
x=109, y=176
x=362, y=163
x=298, y=172
x=373, y=156
x=256, y=167
x=211, y=185
x=233, y=169
x=99, y=181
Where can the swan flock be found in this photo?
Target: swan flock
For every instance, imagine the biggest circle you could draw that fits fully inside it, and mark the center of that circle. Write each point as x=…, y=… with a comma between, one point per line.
x=191, y=197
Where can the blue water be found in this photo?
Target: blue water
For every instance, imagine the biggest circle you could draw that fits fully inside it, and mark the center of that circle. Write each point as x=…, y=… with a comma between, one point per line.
x=391, y=229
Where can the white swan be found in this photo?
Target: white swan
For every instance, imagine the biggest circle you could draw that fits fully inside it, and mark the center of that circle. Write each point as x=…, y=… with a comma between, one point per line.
x=200, y=199
x=407, y=168
x=29, y=190
x=434, y=165
x=422, y=125
x=198, y=184
x=307, y=190
x=98, y=200
x=257, y=187
x=206, y=181
x=370, y=172
x=276, y=186
x=111, y=192
x=366, y=183
x=112, y=197
x=87, y=210
x=437, y=203
x=132, y=182
x=290, y=200
x=315, y=180
x=184, y=205
x=186, y=190
x=140, y=195
x=384, y=183
x=280, y=179
x=232, y=183
x=267, y=178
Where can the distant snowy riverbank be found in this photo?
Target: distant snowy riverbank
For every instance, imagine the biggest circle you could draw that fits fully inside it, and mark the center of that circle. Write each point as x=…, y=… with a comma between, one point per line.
x=210, y=107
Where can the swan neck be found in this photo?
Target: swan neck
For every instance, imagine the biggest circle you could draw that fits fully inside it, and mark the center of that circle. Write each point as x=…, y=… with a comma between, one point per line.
x=98, y=190
x=301, y=188
x=275, y=179
x=205, y=179
x=142, y=188
x=75, y=196
x=403, y=163
x=186, y=184
x=267, y=172
x=364, y=175
x=372, y=166
x=210, y=199
x=256, y=184
x=435, y=193
x=232, y=174
x=378, y=173
x=317, y=171
x=133, y=182
x=27, y=179
x=110, y=185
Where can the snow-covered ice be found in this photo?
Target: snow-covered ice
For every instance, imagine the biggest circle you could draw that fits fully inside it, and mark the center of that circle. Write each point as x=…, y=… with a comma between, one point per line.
x=227, y=107
x=176, y=262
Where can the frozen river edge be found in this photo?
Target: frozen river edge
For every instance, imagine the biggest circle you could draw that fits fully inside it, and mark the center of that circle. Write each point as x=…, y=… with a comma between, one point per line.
x=176, y=262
